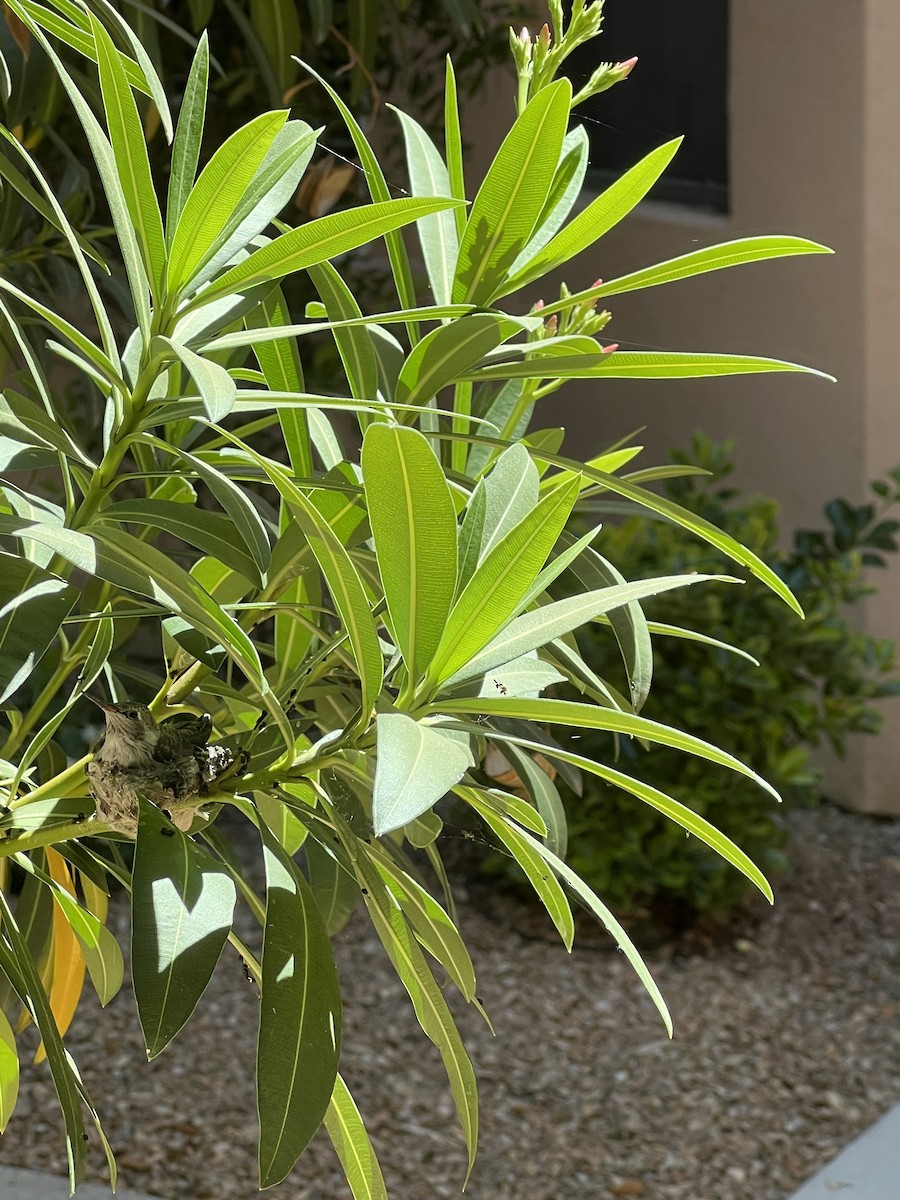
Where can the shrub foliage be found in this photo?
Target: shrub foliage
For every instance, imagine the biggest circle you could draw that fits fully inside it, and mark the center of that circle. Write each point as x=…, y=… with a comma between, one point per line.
x=201, y=534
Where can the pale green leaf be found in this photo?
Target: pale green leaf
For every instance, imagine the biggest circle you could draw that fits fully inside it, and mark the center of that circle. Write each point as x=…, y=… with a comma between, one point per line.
x=519, y=845
x=551, y=621
x=216, y=195
x=588, y=716
x=495, y=590
x=132, y=162
x=188, y=137
x=319, y=240
x=415, y=767
x=437, y=234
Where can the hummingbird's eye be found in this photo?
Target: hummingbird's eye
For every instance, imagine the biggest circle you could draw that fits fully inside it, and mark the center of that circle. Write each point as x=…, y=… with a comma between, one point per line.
x=132, y=714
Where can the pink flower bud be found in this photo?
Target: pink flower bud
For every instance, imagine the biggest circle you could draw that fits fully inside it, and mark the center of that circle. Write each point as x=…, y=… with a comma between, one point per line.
x=624, y=69
x=597, y=283
x=544, y=36
x=610, y=349
x=537, y=306
x=551, y=325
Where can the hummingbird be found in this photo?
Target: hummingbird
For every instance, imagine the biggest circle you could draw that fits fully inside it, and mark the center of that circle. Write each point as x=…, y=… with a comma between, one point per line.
x=169, y=763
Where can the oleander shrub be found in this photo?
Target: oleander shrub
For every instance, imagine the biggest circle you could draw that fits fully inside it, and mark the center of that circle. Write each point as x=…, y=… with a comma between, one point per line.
x=201, y=542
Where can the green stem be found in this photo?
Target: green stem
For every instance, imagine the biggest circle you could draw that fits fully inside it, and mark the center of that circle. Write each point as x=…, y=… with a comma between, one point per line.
x=527, y=397
x=247, y=957
x=59, y=786
x=51, y=837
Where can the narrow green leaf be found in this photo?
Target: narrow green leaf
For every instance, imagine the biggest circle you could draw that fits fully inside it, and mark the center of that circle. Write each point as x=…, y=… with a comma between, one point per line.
x=413, y=522
x=545, y=796
x=673, y=512
x=354, y=344
x=319, y=240
x=143, y=569
x=352, y=1146
x=107, y=168
x=150, y=80
x=512, y=196
x=601, y=215
x=210, y=532
x=431, y=925
x=102, y=955
x=495, y=590
x=415, y=767
x=18, y=965
x=216, y=195
x=26, y=421
x=431, y=1008
x=448, y=351
x=552, y=621
x=188, y=137
x=669, y=807
x=300, y=1018
x=628, y=622
x=692, y=635
x=278, y=25
x=234, y=501
x=437, y=234
x=91, y=352
x=9, y=1072
x=511, y=493
x=637, y=364
x=581, y=889
x=698, y=262
x=182, y=904
x=272, y=187
x=52, y=212
x=519, y=845
x=132, y=162
x=380, y=192
x=520, y=810
x=280, y=364
x=453, y=146
x=78, y=36
x=320, y=12
x=343, y=582
x=713, y=258
x=564, y=192
x=588, y=716
x=29, y=621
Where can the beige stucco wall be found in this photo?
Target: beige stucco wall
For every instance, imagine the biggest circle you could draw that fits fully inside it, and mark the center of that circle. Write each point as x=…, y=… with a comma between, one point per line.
x=815, y=146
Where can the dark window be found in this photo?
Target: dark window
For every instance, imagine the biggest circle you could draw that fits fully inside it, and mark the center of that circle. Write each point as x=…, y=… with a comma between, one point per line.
x=680, y=86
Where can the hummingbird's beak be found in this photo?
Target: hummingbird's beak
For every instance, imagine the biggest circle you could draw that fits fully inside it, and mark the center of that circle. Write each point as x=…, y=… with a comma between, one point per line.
x=99, y=703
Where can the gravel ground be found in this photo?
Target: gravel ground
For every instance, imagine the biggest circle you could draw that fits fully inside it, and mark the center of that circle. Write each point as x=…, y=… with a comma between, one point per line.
x=787, y=1046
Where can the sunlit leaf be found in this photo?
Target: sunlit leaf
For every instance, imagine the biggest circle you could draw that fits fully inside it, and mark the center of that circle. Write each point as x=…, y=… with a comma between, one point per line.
x=182, y=904
x=415, y=767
